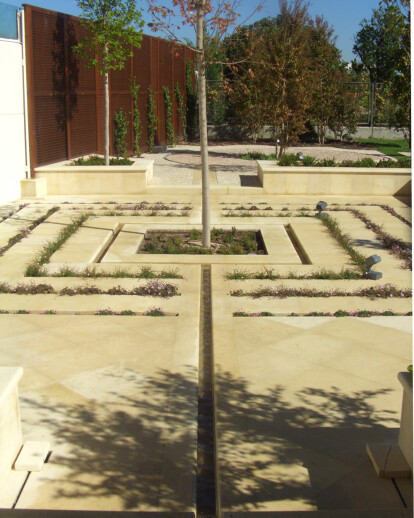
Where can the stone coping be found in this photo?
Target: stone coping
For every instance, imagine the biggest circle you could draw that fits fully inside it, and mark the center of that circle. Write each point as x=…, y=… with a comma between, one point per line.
x=271, y=166
x=65, y=167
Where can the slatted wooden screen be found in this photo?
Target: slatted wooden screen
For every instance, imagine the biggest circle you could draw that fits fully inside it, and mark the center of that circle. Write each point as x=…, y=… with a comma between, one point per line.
x=66, y=99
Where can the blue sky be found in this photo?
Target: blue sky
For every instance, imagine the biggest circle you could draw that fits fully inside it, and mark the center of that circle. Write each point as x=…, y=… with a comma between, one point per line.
x=343, y=16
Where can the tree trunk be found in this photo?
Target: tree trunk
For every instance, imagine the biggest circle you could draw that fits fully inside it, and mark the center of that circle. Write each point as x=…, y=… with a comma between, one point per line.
x=106, y=118
x=202, y=99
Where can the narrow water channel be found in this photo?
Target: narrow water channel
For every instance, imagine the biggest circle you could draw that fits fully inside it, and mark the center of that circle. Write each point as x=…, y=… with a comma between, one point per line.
x=206, y=488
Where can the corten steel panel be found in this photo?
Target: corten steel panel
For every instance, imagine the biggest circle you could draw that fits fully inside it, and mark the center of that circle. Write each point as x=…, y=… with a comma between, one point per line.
x=48, y=51
x=66, y=99
x=83, y=126
x=120, y=78
x=154, y=63
x=142, y=105
x=161, y=137
x=51, y=133
x=165, y=64
x=142, y=63
x=79, y=75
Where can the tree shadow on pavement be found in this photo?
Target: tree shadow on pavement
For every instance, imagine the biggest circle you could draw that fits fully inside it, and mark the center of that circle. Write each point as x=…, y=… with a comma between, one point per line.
x=273, y=447
x=138, y=442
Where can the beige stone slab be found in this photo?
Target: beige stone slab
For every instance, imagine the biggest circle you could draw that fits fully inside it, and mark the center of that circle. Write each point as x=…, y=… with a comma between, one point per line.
x=388, y=461
x=108, y=424
x=278, y=244
x=303, y=305
x=317, y=243
x=86, y=304
x=274, y=401
x=389, y=223
x=361, y=489
x=32, y=456
x=126, y=244
x=86, y=245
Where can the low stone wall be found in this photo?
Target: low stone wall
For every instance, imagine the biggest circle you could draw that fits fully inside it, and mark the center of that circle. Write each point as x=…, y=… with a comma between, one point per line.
x=65, y=179
x=10, y=428
x=350, y=181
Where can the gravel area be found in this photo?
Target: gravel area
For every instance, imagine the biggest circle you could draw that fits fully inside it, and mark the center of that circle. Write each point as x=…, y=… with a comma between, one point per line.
x=177, y=165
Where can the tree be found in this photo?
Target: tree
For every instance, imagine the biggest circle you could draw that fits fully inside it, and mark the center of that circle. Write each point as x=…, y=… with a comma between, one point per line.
x=399, y=87
x=325, y=65
x=211, y=18
x=277, y=78
x=383, y=45
x=244, y=96
x=113, y=28
x=334, y=102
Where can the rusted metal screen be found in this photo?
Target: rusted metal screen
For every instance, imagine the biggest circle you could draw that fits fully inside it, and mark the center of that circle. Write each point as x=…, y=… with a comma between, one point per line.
x=66, y=99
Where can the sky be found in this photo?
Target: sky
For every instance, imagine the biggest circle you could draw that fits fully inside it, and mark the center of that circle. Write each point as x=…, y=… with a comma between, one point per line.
x=343, y=16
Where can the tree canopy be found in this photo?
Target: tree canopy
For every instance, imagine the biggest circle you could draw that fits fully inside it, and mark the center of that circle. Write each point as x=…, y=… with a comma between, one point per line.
x=113, y=28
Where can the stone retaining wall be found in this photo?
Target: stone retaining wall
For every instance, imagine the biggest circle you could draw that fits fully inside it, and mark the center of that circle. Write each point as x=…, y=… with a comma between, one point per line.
x=64, y=179
x=354, y=181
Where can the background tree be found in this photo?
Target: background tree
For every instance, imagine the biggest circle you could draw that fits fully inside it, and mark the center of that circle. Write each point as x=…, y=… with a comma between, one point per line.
x=383, y=46
x=399, y=88
x=326, y=67
x=212, y=19
x=345, y=108
x=277, y=78
x=244, y=107
x=113, y=28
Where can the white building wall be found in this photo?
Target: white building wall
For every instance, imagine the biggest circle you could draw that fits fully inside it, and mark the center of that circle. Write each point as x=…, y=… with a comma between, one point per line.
x=12, y=124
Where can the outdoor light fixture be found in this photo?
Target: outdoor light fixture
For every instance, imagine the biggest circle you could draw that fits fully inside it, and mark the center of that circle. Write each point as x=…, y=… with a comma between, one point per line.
x=300, y=155
x=321, y=205
x=369, y=262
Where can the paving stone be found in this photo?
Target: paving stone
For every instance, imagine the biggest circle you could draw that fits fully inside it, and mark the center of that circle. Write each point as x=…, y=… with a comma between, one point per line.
x=32, y=456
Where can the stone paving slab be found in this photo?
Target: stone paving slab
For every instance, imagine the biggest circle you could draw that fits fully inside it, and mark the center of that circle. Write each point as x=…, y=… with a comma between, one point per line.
x=297, y=397
x=290, y=390
x=91, y=403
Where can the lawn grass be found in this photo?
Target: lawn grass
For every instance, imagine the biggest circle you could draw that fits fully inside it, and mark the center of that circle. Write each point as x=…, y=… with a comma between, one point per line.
x=387, y=146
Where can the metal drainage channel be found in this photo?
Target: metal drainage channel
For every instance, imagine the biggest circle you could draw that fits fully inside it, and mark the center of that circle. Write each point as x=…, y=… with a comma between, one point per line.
x=206, y=485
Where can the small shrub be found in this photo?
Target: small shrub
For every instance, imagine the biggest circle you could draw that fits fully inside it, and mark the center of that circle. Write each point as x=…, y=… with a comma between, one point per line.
x=154, y=312
x=288, y=160
x=327, y=162
x=152, y=121
x=194, y=234
x=107, y=311
x=308, y=161
x=257, y=155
